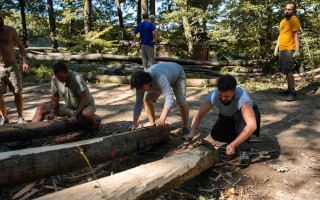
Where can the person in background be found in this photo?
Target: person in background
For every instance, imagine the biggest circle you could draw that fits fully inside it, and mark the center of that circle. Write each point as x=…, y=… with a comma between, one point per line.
x=10, y=74
x=288, y=44
x=148, y=35
x=152, y=19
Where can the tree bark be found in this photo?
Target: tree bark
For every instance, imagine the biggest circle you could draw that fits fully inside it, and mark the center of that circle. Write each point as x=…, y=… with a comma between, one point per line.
x=87, y=19
x=22, y=5
x=186, y=25
x=139, y=12
x=27, y=165
x=23, y=132
x=52, y=24
x=121, y=24
x=152, y=7
x=144, y=6
x=146, y=181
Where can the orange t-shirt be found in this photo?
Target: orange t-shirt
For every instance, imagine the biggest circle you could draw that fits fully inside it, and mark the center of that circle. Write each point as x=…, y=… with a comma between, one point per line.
x=287, y=28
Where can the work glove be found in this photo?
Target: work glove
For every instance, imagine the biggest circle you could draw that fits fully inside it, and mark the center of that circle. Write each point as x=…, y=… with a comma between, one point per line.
x=296, y=53
x=276, y=51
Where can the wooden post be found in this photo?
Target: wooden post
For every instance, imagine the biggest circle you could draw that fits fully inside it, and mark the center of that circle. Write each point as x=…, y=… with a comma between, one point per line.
x=146, y=181
x=27, y=165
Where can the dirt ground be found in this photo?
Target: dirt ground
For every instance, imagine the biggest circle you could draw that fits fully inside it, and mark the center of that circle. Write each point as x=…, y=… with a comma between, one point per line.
x=290, y=130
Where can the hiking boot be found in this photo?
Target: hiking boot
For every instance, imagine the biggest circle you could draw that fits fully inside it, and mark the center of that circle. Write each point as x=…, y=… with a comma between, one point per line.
x=3, y=121
x=245, y=158
x=291, y=96
x=185, y=132
x=21, y=120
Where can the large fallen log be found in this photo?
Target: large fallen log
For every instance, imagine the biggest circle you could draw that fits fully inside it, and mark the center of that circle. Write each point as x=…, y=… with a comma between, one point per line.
x=102, y=57
x=21, y=132
x=27, y=165
x=146, y=181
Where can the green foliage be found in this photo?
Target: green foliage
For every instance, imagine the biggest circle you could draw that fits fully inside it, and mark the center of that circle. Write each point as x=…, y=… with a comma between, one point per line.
x=39, y=72
x=242, y=27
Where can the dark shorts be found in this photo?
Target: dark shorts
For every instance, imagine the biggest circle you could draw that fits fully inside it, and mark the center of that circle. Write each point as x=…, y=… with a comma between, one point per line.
x=286, y=61
x=227, y=129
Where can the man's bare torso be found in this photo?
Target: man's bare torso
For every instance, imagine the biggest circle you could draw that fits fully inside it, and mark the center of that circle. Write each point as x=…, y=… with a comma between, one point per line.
x=6, y=44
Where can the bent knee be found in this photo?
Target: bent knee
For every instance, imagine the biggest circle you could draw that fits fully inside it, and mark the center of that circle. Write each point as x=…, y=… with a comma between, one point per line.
x=87, y=112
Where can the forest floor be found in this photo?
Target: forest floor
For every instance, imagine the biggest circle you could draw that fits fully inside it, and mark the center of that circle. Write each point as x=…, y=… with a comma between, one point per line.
x=289, y=129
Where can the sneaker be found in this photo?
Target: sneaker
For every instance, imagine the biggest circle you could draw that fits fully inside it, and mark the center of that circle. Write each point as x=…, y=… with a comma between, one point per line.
x=3, y=121
x=291, y=96
x=245, y=158
x=21, y=120
x=185, y=132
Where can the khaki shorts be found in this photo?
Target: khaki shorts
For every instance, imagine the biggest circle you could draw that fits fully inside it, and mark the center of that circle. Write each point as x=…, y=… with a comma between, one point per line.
x=66, y=111
x=179, y=90
x=10, y=75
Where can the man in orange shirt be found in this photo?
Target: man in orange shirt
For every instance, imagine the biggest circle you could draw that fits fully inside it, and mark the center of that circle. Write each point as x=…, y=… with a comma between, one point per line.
x=288, y=44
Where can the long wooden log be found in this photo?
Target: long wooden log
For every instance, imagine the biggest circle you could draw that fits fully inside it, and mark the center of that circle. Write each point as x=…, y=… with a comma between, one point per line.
x=102, y=57
x=146, y=181
x=303, y=74
x=27, y=165
x=22, y=132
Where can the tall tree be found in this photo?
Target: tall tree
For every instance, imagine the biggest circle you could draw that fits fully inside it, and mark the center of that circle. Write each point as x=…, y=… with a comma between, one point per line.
x=87, y=19
x=52, y=24
x=22, y=5
x=144, y=6
x=185, y=22
x=87, y=16
x=119, y=11
x=139, y=12
x=152, y=7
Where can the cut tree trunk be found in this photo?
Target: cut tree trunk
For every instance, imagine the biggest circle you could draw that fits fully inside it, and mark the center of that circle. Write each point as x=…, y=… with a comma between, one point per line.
x=27, y=165
x=29, y=131
x=146, y=181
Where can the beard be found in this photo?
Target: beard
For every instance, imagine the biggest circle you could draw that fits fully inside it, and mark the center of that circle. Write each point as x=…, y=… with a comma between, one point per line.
x=287, y=15
x=227, y=102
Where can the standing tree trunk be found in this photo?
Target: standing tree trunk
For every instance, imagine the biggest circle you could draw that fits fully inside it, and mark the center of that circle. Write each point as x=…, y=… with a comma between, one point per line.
x=152, y=7
x=22, y=5
x=144, y=6
x=119, y=11
x=52, y=24
x=186, y=25
x=139, y=12
x=87, y=19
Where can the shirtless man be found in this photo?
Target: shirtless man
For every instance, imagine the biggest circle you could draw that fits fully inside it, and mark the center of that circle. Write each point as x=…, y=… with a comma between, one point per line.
x=10, y=74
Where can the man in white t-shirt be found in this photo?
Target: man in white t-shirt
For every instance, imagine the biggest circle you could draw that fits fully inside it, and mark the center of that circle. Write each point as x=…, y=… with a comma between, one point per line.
x=239, y=118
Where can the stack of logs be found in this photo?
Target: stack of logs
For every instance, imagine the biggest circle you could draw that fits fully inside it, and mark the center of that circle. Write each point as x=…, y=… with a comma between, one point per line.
x=146, y=181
